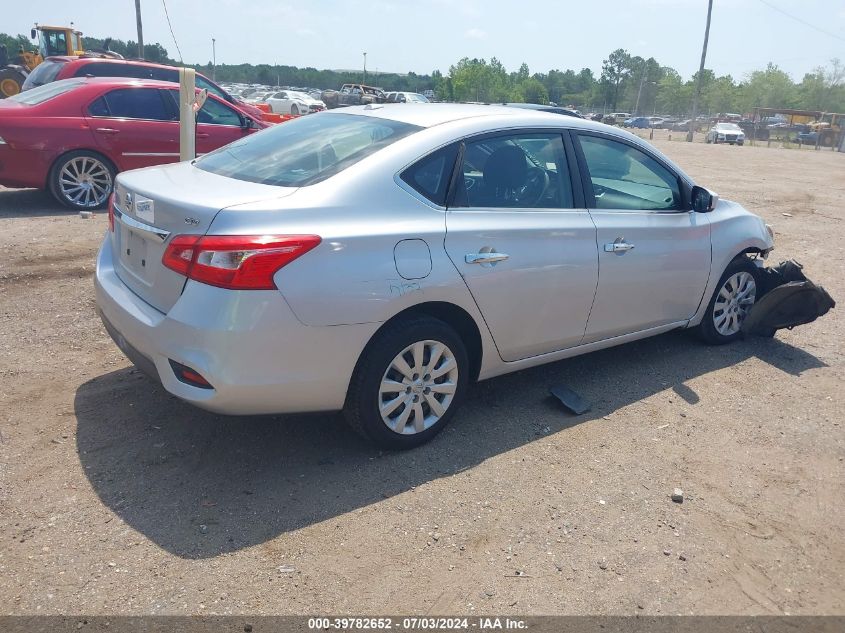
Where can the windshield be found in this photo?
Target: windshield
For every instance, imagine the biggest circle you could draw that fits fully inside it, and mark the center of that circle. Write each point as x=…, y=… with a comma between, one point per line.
x=306, y=150
x=733, y=127
x=47, y=91
x=44, y=73
x=413, y=96
x=202, y=82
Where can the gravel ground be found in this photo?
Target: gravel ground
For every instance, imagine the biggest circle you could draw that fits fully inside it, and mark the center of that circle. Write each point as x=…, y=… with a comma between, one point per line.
x=116, y=498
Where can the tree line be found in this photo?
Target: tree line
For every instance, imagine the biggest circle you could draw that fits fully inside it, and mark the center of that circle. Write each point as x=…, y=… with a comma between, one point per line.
x=628, y=83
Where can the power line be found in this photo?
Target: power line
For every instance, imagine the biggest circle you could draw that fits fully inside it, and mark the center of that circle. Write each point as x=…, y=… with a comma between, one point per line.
x=167, y=15
x=802, y=21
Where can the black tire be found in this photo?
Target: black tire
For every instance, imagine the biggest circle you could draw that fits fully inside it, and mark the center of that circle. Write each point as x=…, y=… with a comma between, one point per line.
x=707, y=329
x=100, y=166
x=11, y=82
x=294, y=109
x=365, y=395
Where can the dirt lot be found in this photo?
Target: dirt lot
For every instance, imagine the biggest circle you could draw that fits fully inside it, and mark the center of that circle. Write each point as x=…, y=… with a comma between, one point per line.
x=117, y=498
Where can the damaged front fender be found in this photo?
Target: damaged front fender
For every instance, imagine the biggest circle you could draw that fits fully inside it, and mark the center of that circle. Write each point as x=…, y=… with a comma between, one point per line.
x=787, y=299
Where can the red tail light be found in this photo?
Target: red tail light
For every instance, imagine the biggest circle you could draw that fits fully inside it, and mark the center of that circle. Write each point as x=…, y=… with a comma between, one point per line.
x=237, y=262
x=111, y=212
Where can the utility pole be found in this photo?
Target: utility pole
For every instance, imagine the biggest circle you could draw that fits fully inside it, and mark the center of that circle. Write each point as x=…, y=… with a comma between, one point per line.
x=640, y=91
x=700, y=74
x=365, y=68
x=213, y=59
x=140, y=29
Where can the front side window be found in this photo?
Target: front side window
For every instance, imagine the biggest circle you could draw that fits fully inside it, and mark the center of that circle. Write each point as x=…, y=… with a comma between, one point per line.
x=132, y=103
x=215, y=113
x=306, y=150
x=628, y=179
x=515, y=171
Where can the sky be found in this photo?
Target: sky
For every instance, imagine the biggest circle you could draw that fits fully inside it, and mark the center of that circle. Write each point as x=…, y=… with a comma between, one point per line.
x=423, y=35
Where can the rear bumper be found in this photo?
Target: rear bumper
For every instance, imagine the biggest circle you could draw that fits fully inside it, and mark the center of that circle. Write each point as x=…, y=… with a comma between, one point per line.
x=23, y=167
x=248, y=344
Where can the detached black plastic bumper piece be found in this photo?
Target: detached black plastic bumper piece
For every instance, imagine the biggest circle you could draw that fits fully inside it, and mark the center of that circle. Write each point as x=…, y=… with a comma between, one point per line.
x=788, y=299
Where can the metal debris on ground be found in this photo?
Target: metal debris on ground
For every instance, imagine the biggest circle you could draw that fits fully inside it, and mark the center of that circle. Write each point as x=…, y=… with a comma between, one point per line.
x=569, y=399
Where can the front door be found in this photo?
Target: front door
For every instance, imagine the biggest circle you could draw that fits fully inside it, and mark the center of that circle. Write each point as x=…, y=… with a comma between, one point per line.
x=654, y=253
x=525, y=250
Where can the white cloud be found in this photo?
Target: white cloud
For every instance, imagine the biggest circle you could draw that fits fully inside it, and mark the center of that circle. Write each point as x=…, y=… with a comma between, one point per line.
x=305, y=32
x=475, y=34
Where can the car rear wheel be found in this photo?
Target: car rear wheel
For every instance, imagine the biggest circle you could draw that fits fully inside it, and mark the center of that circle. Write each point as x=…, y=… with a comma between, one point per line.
x=408, y=383
x=294, y=109
x=735, y=294
x=82, y=180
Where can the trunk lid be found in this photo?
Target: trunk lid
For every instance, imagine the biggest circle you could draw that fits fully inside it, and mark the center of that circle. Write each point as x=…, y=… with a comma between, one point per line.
x=155, y=204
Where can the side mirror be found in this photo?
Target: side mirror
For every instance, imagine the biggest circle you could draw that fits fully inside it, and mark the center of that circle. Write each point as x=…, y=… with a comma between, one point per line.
x=703, y=200
x=248, y=123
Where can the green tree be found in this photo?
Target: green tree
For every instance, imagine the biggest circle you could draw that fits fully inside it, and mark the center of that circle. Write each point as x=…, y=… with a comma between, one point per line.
x=615, y=70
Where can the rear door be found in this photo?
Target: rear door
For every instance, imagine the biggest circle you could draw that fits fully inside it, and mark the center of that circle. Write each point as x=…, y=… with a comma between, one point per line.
x=653, y=251
x=134, y=127
x=519, y=234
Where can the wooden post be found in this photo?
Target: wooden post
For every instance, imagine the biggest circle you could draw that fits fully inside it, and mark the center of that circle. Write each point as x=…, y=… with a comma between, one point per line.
x=187, y=118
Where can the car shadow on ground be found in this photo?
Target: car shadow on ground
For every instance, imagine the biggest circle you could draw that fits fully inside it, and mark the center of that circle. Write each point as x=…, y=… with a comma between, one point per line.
x=30, y=203
x=199, y=484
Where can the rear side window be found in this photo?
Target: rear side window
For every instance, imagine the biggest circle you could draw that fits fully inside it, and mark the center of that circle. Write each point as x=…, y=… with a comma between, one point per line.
x=306, y=150
x=44, y=73
x=430, y=176
x=105, y=69
x=132, y=103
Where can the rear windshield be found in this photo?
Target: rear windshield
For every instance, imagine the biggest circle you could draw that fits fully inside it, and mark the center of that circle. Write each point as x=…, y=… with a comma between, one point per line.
x=44, y=73
x=48, y=91
x=306, y=150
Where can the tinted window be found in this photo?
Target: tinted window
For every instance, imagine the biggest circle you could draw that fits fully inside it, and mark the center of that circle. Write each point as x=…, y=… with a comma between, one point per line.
x=105, y=69
x=626, y=178
x=516, y=171
x=306, y=150
x=430, y=176
x=99, y=107
x=136, y=103
x=164, y=74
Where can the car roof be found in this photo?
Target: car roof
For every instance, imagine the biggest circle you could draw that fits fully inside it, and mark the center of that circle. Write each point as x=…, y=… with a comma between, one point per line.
x=82, y=60
x=431, y=114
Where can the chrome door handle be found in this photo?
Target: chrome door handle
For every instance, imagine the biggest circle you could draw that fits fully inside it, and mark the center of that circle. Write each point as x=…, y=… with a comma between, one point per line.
x=107, y=130
x=485, y=258
x=617, y=247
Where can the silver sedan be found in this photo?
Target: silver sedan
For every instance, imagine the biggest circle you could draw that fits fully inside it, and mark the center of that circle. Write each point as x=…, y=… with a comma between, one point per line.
x=382, y=259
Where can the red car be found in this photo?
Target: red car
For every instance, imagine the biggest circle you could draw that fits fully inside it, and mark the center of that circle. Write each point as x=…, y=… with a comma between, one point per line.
x=71, y=136
x=63, y=67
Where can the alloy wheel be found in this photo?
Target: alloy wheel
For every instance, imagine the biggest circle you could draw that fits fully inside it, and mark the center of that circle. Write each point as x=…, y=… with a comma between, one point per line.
x=85, y=181
x=418, y=387
x=734, y=300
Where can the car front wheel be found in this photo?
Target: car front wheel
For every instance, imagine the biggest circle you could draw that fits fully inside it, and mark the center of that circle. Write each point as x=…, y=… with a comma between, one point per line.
x=408, y=383
x=734, y=296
